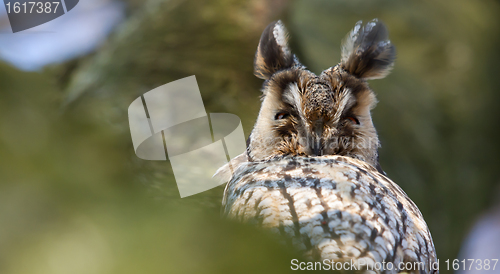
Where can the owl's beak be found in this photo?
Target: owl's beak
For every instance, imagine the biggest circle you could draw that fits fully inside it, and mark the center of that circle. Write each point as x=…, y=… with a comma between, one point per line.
x=317, y=151
x=313, y=145
x=316, y=140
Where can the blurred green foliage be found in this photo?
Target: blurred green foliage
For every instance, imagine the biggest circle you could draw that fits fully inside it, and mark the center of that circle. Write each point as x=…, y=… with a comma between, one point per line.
x=75, y=199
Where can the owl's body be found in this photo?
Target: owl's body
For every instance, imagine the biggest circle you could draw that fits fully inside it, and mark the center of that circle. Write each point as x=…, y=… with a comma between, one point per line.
x=331, y=207
x=311, y=171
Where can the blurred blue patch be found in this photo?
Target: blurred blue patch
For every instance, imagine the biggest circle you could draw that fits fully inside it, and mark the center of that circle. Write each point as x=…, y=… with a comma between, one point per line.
x=76, y=33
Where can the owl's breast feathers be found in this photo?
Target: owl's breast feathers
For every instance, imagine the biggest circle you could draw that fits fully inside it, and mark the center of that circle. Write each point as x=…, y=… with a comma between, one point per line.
x=331, y=207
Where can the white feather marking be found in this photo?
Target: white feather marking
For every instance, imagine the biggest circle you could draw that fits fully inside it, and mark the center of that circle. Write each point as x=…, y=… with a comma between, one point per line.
x=293, y=96
x=281, y=36
x=348, y=43
x=345, y=101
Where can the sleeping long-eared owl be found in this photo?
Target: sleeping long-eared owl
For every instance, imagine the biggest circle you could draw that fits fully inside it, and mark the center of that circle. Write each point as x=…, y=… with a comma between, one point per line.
x=311, y=170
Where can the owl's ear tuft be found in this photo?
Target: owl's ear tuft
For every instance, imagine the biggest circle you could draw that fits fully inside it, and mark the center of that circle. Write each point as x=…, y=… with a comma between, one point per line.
x=367, y=52
x=273, y=53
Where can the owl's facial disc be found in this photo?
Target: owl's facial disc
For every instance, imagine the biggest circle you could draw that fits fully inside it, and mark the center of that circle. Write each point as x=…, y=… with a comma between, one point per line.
x=307, y=115
x=316, y=118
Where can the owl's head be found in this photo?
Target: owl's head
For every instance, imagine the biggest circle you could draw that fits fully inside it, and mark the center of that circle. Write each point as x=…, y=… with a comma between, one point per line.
x=310, y=115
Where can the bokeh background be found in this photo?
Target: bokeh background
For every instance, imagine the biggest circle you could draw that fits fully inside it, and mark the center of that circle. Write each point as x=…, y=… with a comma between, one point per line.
x=75, y=199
